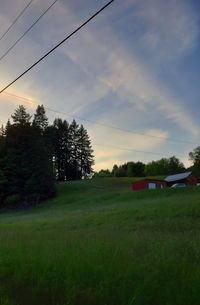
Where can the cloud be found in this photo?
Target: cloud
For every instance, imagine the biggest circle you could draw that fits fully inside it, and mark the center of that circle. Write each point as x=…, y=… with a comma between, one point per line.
x=133, y=82
x=110, y=150
x=131, y=79
x=103, y=62
x=15, y=98
x=171, y=27
x=84, y=95
x=10, y=101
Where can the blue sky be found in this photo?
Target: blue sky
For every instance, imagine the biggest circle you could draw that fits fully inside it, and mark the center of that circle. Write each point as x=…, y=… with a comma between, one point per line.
x=136, y=67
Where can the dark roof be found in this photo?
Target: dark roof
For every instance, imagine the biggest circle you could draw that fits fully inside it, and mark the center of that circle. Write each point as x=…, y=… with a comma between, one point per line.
x=178, y=177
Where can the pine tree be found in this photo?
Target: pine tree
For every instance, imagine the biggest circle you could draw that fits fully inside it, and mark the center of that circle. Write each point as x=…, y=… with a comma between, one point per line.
x=72, y=150
x=62, y=149
x=21, y=116
x=40, y=119
x=74, y=155
x=85, y=158
x=2, y=131
x=26, y=164
x=8, y=125
x=3, y=179
x=3, y=182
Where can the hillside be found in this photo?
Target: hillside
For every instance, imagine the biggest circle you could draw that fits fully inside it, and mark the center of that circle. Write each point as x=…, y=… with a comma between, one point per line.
x=99, y=243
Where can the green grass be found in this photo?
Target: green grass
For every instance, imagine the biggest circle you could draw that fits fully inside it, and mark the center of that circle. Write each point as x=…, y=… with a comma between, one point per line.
x=99, y=243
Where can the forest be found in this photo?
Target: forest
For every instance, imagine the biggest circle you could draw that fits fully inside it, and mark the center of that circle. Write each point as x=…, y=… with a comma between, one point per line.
x=164, y=166
x=34, y=155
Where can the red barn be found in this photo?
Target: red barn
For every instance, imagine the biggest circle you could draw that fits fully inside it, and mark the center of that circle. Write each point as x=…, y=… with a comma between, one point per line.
x=187, y=178
x=149, y=184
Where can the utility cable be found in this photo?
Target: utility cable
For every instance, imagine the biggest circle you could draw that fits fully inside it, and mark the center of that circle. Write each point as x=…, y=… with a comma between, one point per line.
x=28, y=30
x=54, y=48
x=133, y=150
x=29, y=101
x=13, y=23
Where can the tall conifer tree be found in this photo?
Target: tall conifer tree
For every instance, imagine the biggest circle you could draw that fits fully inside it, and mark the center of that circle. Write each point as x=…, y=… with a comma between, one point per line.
x=85, y=153
x=20, y=116
x=27, y=167
x=40, y=119
x=62, y=149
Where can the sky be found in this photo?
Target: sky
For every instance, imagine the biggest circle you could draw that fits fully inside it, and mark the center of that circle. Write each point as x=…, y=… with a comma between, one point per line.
x=131, y=76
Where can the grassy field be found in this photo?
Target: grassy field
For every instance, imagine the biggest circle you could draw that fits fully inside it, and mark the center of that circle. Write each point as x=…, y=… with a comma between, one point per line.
x=99, y=243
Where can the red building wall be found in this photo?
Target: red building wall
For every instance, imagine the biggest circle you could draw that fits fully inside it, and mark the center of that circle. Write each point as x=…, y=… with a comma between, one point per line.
x=139, y=185
x=192, y=180
x=144, y=184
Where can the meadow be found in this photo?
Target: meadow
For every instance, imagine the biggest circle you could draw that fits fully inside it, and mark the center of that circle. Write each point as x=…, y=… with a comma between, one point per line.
x=99, y=243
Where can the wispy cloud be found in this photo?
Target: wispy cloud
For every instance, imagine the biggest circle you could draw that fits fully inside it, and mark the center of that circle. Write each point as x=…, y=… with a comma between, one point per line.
x=132, y=145
x=130, y=79
x=123, y=71
x=104, y=61
x=171, y=27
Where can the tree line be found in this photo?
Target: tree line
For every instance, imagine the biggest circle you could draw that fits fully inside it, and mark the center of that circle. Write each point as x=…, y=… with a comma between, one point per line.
x=34, y=155
x=164, y=166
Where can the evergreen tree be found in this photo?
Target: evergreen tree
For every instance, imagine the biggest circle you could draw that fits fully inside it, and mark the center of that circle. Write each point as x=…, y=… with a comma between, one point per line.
x=40, y=119
x=50, y=140
x=74, y=172
x=8, y=125
x=3, y=179
x=21, y=116
x=2, y=131
x=62, y=149
x=85, y=158
x=27, y=169
x=30, y=155
x=72, y=150
x=3, y=182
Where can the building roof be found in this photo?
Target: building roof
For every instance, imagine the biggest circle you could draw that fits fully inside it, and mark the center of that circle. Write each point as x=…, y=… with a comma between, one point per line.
x=154, y=180
x=177, y=177
x=148, y=180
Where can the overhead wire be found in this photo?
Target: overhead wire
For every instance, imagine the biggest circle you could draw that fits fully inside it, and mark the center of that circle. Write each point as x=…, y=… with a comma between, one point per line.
x=30, y=101
x=57, y=45
x=97, y=144
x=16, y=19
x=133, y=150
x=28, y=30
x=92, y=122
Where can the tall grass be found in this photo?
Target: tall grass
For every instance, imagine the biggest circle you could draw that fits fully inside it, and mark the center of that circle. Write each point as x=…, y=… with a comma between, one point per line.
x=100, y=243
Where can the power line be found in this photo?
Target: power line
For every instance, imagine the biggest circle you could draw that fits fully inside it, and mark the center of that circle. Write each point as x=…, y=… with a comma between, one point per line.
x=120, y=129
x=133, y=150
x=83, y=119
x=27, y=100
x=26, y=32
x=13, y=23
x=97, y=144
x=53, y=49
